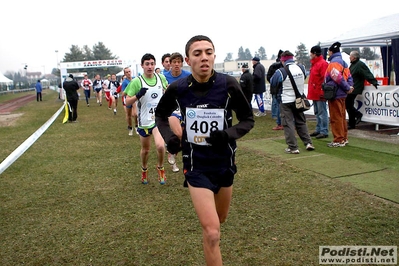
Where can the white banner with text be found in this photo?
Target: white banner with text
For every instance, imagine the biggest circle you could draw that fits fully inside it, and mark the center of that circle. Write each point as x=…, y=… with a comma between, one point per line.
x=379, y=106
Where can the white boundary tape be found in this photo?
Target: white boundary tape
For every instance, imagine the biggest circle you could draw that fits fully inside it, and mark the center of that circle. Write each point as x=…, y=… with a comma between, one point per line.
x=28, y=142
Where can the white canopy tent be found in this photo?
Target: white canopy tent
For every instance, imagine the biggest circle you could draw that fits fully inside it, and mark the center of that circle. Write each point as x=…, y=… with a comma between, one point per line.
x=378, y=32
x=5, y=81
x=382, y=32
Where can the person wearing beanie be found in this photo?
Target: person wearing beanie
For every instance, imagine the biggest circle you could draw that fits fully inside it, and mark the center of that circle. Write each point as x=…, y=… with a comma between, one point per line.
x=292, y=119
x=39, y=89
x=259, y=80
x=335, y=47
x=315, y=93
x=246, y=83
x=71, y=88
x=360, y=72
x=338, y=75
x=274, y=90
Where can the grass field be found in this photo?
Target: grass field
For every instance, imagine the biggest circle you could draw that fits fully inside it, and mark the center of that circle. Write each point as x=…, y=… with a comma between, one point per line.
x=75, y=197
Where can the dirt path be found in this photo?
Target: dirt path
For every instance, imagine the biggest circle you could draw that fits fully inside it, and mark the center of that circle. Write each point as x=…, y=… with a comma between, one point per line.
x=12, y=105
x=7, y=118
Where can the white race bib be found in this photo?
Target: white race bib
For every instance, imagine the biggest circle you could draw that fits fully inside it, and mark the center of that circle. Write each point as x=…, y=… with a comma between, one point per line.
x=201, y=122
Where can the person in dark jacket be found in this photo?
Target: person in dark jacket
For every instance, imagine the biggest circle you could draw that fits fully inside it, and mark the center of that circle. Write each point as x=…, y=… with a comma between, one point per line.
x=360, y=72
x=246, y=83
x=274, y=92
x=38, y=91
x=207, y=100
x=259, y=76
x=71, y=88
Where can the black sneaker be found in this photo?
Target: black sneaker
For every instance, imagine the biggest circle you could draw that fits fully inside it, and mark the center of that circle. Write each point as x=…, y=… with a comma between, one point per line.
x=314, y=134
x=359, y=118
x=321, y=136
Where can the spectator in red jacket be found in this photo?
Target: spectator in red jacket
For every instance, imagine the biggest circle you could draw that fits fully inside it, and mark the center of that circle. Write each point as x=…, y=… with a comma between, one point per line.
x=315, y=93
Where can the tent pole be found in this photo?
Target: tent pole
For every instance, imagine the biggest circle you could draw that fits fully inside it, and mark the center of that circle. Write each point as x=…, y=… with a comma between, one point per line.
x=388, y=74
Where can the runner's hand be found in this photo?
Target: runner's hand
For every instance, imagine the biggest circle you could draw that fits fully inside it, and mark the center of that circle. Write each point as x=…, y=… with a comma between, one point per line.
x=173, y=145
x=141, y=93
x=218, y=139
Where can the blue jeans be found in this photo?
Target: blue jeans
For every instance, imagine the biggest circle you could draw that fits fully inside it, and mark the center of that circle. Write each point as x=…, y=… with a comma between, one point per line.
x=320, y=111
x=276, y=109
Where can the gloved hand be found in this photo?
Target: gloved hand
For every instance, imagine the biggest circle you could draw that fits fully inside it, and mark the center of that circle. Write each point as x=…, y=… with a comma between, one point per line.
x=141, y=93
x=173, y=144
x=115, y=94
x=376, y=86
x=218, y=139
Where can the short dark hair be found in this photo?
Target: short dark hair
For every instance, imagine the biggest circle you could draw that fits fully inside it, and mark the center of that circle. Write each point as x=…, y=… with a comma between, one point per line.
x=176, y=56
x=165, y=56
x=147, y=57
x=197, y=38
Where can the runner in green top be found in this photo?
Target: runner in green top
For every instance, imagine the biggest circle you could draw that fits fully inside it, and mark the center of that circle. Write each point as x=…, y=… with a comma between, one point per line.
x=147, y=90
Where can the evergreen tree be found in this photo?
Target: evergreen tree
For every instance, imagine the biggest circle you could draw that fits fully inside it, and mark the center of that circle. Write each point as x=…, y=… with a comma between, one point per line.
x=248, y=55
x=229, y=57
x=302, y=56
x=99, y=52
x=88, y=54
x=367, y=54
x=102, y=52
x=75, y=55
x=262, y=53
x=241, y=54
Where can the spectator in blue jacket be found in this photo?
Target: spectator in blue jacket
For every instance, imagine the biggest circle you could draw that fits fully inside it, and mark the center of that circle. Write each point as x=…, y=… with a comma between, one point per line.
x=38, y=90
x=338, y=75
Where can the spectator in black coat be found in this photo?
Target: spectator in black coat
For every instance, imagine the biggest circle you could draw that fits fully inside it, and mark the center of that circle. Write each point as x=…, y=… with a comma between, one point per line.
x=71, y=88
x=259, y=77
x=246, y=83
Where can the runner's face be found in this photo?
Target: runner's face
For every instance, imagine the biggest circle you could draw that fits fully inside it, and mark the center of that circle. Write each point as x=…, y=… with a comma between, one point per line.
x=201, y=57
x=128, y=73
x=148, y=67
x=166, y=63
x=176, y=66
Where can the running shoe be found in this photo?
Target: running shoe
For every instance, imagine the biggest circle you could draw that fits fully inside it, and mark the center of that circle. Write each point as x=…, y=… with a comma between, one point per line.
x=171, y=158
x=114, y=111
x=260, y=114
x=346, y=142
x=130, y=132
x=291, y=151
x=314, y=134
x=309, y=147
x=144, y=177
x=161, y=175
x=175, y=169
x=336, y=144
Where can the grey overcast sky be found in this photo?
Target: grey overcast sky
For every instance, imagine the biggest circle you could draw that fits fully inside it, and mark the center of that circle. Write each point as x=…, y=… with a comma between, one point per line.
x=33, y=30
